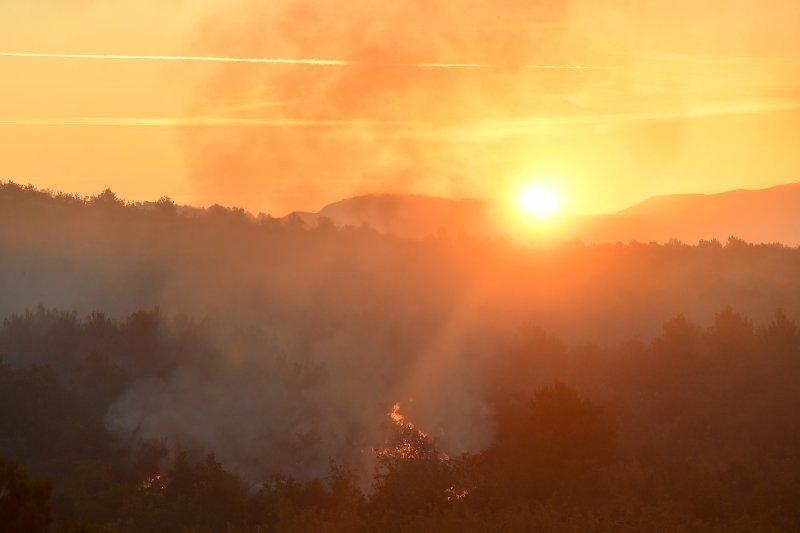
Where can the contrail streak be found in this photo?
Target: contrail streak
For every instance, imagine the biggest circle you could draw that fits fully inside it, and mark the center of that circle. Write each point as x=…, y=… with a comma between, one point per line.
x=190, y=122
x=702, y=112
x=515, y=128
x=477, y=129
x=333, y=62
x=496, y=65
x=573, y=67
x=288, y=61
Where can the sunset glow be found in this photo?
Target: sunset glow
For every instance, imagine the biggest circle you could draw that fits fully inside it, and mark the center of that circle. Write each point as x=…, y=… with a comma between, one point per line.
x=293, y=106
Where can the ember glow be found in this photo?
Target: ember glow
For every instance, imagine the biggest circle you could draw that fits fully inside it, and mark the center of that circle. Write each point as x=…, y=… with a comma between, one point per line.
x=154, y=482
x=454, y=494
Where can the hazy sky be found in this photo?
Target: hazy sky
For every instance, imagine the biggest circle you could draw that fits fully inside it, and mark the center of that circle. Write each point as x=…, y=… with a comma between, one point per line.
x=425, y=96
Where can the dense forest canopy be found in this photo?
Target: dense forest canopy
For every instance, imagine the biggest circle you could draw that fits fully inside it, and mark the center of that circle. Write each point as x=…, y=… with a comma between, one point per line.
x=210, y=370
x=695, y=430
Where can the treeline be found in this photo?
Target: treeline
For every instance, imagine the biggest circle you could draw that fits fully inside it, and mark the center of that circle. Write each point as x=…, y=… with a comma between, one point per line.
x=103, y=253
x=697, y=430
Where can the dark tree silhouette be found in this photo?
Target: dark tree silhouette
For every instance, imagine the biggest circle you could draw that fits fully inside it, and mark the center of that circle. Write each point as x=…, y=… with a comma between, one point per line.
x=24, y=503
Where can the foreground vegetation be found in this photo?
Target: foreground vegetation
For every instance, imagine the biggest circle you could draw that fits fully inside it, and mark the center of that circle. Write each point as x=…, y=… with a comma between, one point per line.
x=697, y=430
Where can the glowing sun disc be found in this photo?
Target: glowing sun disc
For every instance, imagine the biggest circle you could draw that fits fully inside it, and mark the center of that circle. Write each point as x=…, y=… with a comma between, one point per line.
x=539, y=201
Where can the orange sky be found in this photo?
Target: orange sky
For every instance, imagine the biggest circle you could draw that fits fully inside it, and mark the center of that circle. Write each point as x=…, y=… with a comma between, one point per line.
x=431, y=96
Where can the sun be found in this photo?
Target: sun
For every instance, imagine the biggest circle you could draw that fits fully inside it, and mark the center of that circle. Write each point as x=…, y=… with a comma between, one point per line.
x=539, y=201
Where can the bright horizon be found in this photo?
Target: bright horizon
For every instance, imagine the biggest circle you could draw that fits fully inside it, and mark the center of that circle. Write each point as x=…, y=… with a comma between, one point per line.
x=294, y=106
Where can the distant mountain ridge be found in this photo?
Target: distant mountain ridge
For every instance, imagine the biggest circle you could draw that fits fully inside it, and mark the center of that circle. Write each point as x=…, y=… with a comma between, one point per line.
x=758, y=216
x=414, y=215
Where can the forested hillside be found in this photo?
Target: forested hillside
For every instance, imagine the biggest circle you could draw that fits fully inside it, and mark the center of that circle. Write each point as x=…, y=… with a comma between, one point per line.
x=346, y=380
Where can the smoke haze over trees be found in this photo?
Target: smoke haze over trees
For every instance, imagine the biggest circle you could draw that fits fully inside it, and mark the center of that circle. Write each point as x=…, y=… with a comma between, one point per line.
x=611, y=386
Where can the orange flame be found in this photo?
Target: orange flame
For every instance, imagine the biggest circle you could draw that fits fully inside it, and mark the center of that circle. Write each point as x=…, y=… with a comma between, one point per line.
x=406, y=450
x=395, y=415
x=400, y=420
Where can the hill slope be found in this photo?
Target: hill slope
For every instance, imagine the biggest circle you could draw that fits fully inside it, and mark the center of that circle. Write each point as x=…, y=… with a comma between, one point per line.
x=764, y=215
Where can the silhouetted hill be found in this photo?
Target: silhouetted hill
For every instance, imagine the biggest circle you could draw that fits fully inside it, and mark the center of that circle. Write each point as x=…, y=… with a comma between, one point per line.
x=765, y=215
x=411, y=215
